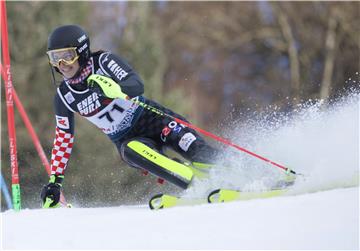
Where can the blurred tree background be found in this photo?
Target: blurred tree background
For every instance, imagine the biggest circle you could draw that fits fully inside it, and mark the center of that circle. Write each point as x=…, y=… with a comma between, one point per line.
x=206, y=60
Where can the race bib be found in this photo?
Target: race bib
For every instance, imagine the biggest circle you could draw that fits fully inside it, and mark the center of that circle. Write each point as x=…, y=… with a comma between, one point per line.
x=115, y=117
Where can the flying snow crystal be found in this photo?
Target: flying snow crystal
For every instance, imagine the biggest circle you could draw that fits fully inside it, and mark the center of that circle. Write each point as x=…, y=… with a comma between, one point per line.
x=317, y=140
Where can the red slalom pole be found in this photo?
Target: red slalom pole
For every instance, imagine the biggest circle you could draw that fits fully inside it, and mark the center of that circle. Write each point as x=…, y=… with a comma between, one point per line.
x=15, y=185
x=31, y=130
x=33, y=134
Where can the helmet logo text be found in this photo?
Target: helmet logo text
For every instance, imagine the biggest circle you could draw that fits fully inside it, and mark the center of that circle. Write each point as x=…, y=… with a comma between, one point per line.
x=82, y=38
x=83, y=48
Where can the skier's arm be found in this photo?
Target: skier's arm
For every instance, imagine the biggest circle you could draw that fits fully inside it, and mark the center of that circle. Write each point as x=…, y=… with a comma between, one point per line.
x=64, y=137
x=122, y=73
x=60, y=153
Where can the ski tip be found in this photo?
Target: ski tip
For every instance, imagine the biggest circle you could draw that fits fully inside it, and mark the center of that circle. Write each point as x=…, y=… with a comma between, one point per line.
x=211, y=197
x=161, y=201
x=155, y=202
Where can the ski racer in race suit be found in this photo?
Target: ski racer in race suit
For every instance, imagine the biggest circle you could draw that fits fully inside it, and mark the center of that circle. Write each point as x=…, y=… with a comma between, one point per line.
x=121, y=120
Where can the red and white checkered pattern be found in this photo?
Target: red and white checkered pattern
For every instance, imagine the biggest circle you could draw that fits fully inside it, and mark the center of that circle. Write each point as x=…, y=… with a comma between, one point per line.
x=61, y=151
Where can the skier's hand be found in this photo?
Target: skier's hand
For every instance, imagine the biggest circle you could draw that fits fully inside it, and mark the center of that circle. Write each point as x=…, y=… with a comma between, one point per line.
x=105, y=86
x=50, y=193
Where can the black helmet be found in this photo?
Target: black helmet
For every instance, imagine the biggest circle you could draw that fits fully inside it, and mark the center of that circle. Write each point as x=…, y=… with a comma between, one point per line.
x=71, y=36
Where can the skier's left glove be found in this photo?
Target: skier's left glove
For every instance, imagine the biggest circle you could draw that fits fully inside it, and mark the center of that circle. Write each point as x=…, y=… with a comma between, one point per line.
x=105, y=86
x=50, y=193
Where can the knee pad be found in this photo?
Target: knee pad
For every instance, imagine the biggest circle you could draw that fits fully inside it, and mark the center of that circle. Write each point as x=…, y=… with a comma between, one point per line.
x=144, y=154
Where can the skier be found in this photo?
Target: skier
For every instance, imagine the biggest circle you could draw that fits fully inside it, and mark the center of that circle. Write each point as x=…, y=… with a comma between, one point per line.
x=91, y=86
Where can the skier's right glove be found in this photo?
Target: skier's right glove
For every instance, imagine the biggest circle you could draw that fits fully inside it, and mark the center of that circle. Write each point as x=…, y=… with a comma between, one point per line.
x=50, y=193
x=105, y=86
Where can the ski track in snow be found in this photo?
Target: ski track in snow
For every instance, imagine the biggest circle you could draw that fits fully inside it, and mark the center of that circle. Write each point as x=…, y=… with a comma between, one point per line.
x=321, y=211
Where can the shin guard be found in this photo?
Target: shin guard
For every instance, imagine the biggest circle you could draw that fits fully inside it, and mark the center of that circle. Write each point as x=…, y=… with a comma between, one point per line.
x=140, y=153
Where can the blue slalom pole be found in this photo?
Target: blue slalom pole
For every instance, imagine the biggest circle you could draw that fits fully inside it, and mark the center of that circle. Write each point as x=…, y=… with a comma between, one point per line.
x=5, y=191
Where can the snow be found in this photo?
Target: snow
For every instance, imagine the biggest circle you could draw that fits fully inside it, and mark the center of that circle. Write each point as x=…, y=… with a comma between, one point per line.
x=322, y=220
x=320, y=212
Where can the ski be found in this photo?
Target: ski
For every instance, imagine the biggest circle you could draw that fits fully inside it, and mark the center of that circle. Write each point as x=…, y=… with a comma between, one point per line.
x=161, y=201
x=226, y=195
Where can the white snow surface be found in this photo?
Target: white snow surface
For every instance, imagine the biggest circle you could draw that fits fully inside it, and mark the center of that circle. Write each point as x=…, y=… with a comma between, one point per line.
x=323, y=220
x=321, y=211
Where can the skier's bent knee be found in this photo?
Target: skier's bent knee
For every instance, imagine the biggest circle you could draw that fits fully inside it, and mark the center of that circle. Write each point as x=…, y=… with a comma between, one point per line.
x=144, y=154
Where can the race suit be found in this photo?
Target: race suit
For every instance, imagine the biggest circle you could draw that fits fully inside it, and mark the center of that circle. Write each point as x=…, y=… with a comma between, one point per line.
x=119, y=119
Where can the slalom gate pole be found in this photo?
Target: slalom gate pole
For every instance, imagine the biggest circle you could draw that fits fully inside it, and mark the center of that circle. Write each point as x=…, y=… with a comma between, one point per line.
x=209, y=134
x=15, y=187
x=33, y=135
x=5, y=191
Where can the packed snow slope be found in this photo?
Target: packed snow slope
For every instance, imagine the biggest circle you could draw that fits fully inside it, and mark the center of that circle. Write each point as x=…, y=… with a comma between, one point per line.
x=323, y=220
x=321, y=211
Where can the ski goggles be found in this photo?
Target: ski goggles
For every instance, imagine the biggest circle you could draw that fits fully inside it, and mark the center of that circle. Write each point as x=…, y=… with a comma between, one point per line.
x=66, y=55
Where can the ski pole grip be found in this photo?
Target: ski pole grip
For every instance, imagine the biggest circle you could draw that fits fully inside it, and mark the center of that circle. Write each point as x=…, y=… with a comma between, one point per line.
x=48, y=202
x=108, y=86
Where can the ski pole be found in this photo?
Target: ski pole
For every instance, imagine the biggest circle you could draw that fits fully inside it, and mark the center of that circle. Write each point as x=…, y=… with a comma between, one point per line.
x=211, y=135
x=5, y=191
x=112, y=90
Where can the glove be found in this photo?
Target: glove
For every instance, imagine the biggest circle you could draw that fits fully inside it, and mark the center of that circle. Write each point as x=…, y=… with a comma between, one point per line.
x=105, y=86
x=50, y=193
